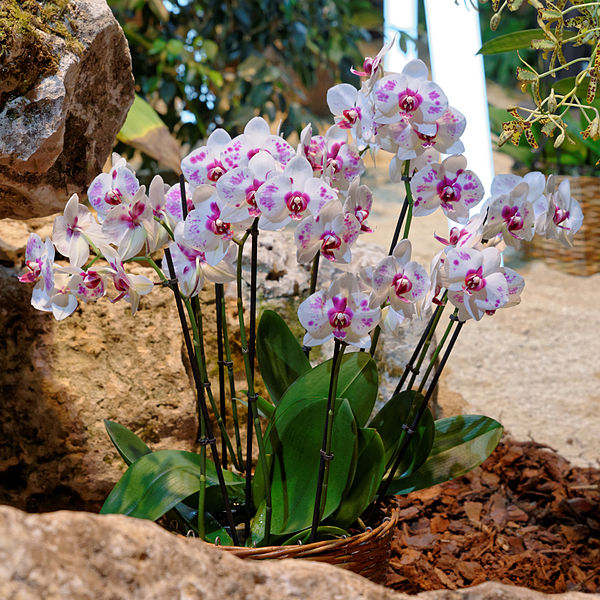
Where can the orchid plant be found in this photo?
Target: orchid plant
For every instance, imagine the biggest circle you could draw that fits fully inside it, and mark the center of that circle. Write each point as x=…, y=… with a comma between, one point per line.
x=326, y=459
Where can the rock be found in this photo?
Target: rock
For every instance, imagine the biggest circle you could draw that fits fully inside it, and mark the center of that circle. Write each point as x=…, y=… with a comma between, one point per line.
x=81, y=555
x=59, y=380
x=65, y=93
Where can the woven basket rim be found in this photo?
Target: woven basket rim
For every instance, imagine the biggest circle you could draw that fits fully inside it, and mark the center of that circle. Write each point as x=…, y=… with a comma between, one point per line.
x=387, y=524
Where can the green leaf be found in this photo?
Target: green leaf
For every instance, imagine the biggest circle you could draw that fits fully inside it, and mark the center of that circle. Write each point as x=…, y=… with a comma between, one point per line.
x=143, y=129
x=129, y=445
x=369, y=471
x=510, y=41
x=299, y=427
x=215, y=532
x=280, y=357
x=157, y=482
x=357, y=382
x=461, y=443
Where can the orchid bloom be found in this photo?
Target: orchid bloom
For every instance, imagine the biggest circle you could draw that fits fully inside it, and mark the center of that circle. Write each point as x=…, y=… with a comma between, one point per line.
x=332, y=234
x=564, y=216
x=400, y=281
x=512, y=215
x=352, y=110
x=192, y=268
x=39, y=259
x=409, y=95
x=87, y=285
x=205, y=164
x=469, y=236
x=257, y=136
x=173, y=209
x=127, y=225
x=114, y=188
x=342, y=312
x=238, y=187
x=205, y=229
x=291, y=195
x=358, y=203
x=448, y=185
x=372, y=68
x=73, y=230
x=62, y=301
x=130, y=287
x=474, y=281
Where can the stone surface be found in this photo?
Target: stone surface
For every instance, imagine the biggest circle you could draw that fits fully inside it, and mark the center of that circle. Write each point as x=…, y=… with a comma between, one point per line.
x=56, y=137
x=59, y=380
x=66, y=555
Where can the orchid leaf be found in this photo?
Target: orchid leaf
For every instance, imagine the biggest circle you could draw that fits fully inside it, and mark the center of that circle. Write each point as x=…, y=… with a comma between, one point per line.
x=369, y=471
x=128, y=445
x=299, y=427
x=157, y=482
x=461, y=443
x=280, y=357
x=357, y=382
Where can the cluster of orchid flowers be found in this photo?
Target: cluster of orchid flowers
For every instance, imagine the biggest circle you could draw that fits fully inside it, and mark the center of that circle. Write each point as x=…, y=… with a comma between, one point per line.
x=258, y=177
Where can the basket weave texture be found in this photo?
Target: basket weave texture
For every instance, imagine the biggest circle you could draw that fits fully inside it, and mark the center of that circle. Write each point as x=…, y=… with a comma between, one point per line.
x=584, y=257
x=367, y=553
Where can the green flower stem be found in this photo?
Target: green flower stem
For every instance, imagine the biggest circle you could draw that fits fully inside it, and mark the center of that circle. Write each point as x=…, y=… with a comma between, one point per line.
x=412, y=428
x=195, y=316
x=151, y=262
x=203, y=410
x=431, y=330
x=437, y=351
x=406, y=208
x=326, y=456
x=231, y=378
x=165, y=226
x=221, y=364
x=410, y=365
x=314, y=273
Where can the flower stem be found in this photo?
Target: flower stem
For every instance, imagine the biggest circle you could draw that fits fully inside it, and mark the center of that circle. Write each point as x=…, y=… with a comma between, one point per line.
x=221, y=363
x=326, y=456
x=411, y=429
x=210, y=439
x=314, y=273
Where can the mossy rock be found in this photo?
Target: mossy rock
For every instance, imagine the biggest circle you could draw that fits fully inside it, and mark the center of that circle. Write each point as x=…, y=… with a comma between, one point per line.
x=26, y=50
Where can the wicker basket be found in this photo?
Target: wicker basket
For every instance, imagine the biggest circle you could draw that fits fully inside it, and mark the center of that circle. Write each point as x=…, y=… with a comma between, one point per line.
x=584, y=257
x=366, y=553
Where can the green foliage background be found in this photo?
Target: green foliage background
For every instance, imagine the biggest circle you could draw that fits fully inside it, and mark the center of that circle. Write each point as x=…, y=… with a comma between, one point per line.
x=215, y=62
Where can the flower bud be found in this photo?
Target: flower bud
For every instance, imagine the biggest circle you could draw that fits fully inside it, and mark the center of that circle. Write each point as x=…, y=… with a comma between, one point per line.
x=560, y=139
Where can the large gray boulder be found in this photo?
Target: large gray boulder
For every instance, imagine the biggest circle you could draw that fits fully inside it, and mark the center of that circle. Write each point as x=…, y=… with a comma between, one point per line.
x=65, y=92
x=66, y=555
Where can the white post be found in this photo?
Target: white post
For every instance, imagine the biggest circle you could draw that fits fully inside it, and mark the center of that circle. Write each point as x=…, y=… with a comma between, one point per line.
x=399, y=15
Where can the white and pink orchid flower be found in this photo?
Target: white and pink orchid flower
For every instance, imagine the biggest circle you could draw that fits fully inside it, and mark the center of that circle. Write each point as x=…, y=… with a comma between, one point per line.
x=359, y=203
x=352, y=111
x=332, y=234
x=408, y=140
x=448, y=185
x=205, y=229
x=469, y=236
x=127, y=225
x=73, y=231
x=238, y=187
x=341, y=312
x=402, y=282
x=505, y=183
x=129, y=287
x=205, y=164
x=173, y=208
x=474, y=281
x=39, y=260
x=157, y=199
x=192, y=268
x=512, y=215
x=87, y=285
x=564, y=216
x=257, y=137
x=114, y=188
x=292, y=195
x=62, y=301
x=409, y=95
x=372, y=68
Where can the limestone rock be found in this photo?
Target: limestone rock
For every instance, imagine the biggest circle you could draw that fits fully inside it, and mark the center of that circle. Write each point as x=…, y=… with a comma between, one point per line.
x=66, y=555
x=59, y=380
x=56, y=135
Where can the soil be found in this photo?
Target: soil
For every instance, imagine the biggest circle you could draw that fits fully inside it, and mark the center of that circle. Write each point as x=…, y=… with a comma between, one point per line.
x=525, y=517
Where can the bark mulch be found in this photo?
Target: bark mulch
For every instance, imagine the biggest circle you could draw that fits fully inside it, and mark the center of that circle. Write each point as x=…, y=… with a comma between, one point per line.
x=525, y=517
